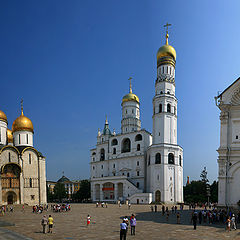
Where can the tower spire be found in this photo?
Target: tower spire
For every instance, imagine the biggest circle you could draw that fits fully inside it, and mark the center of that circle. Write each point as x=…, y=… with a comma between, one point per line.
x=166, y=26
x=106, y=121
x=130, y=85
x=21, y=107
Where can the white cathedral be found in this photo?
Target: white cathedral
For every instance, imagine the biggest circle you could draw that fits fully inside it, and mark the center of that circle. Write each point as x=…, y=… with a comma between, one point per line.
x=136, y=165
x=229, y=150
x=22, y=167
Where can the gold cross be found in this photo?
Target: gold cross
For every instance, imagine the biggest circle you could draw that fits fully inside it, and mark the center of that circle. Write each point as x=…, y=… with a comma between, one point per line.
x=22, y=106
x=130, y=86
x=167, y=25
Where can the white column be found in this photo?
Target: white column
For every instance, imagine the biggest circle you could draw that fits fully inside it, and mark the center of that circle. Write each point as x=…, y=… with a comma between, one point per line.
x=115, y=191
x=93, y=192
x=21, y=188
x=101, y=192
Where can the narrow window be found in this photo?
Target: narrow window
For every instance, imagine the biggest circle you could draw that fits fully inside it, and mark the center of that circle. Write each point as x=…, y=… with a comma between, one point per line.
x=0, y=134
x=126, y=111
x=160, y=108
x=127, y=174
x=159, y=134
x=93, y=168
x=132, y=111
x=168, y=108
x=123, y=173
x=113, y=165
x=19, y=139
x=102, y=166
x=170, y=70
x=27, y=138
x=170, y=158
x=9, y=157
x=30, y=182
x=137, y=184
x=114, y=174
x=102, y=175
x=137, y=163
x=138, y=147
x=149, y=160
x=137, y=173
x=180, y=160
x=30, y=158
x=163, y=70
x=114, y=150
x=236, y=137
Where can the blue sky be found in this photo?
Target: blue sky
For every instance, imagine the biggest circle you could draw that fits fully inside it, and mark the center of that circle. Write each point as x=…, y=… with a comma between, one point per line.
x=70, y=61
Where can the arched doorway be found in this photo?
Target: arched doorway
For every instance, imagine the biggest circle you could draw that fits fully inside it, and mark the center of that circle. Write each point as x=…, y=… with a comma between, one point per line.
x=157, y=196
x=10, y=174
x=11, y=197
x=108, y=191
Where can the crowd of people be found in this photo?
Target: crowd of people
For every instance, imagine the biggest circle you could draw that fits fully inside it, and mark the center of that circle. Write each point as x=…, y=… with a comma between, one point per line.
x=61, y=207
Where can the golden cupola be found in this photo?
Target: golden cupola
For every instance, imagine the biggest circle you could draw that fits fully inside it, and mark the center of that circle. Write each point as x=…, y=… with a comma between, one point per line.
x=9, y=136
x=22, y=123
x=166, y=54
x=3, y=117
x=130, y=96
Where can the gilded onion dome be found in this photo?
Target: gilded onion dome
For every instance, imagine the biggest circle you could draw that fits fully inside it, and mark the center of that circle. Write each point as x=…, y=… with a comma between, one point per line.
x=9, y=136
x=166, y=50
x=22, y=123
x=130, y=96
x=3, y=117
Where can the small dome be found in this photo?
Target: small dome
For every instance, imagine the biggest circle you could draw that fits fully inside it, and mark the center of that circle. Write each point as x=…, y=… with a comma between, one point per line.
x=3, y=117
x=9, y=136
x=130, y=97
x=22, y=123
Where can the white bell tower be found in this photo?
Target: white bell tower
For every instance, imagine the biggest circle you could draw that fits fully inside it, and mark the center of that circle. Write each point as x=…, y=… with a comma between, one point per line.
x=165, y=156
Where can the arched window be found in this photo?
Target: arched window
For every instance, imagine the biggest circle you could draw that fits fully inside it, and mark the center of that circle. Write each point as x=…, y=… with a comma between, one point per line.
x=168, y=92
x=138, y=147
x=170, y=158
x=30, y=182
x=128, y=174
x=180, y=160
x=126, y=145
x=161, y=92
x=157, y=196
x=158, y=158
x=138, y=137
x=102, y=154
x=160, y=108
x=114, y=150
x=30, y=158
x=169, y=107
x=114, y=142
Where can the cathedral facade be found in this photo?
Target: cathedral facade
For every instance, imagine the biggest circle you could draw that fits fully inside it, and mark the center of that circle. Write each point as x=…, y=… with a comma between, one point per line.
x=23, y=174
x=135, y=164
x=229, y=150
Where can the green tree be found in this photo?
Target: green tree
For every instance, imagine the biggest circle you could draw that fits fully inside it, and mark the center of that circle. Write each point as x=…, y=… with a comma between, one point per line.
x=214, y=192
x=49, y=195
x=84, y=192
x=59, y=192
x=195, y=192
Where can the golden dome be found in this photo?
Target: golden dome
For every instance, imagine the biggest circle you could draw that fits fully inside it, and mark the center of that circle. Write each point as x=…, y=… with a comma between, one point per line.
x=166, y=50
x=22, y=123
x=130, y=96
x=3, y=117
x=9, y=136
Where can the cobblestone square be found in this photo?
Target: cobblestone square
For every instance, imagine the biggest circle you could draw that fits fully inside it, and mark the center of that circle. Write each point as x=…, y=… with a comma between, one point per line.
x=105, y=224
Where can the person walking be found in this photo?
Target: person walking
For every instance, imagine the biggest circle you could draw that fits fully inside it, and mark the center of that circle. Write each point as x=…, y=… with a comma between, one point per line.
x=133, y=223
x=88, y=220
x=50, y=224
x=194, y=219
x=44, y=223
x=233, y=222
x=123, y=231
x=155, y=207
x=228, y=223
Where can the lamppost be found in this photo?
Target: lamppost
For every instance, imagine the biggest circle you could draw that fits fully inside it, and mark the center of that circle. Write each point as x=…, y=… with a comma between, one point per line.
x=208, y=192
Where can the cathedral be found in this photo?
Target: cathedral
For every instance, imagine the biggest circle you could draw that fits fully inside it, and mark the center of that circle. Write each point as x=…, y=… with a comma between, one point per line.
x=23, y=174
x=229, y=150
x=137, y=165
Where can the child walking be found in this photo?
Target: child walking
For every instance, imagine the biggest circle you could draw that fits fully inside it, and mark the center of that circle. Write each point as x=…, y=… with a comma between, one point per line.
x=88, y=220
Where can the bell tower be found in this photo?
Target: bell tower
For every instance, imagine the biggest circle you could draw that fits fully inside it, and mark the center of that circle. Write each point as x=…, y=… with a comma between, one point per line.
x=164, y=101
